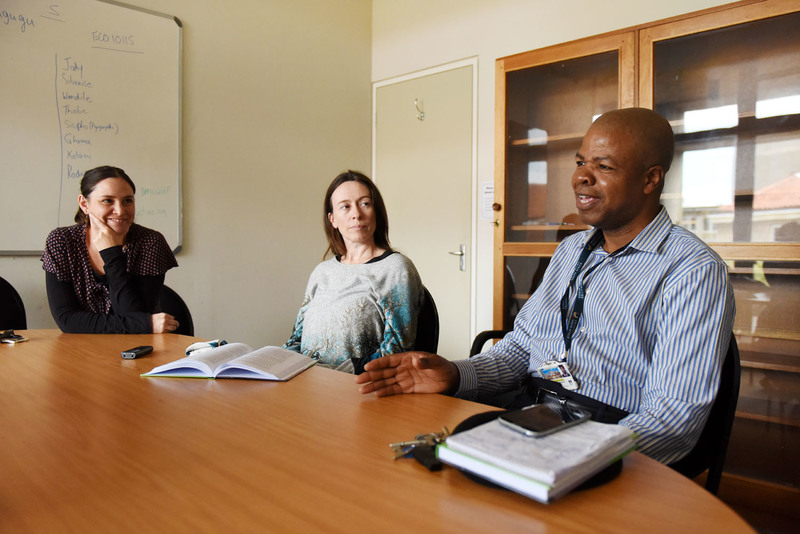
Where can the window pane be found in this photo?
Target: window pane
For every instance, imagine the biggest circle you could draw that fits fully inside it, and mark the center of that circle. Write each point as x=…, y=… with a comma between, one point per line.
x=549, y=108
x=733, y=98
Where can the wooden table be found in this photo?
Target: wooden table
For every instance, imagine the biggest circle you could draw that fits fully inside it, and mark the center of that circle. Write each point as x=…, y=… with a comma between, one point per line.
x=90, y=446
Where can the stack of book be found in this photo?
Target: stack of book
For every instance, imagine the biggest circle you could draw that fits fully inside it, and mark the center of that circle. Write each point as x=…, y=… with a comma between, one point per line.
x=542, y=468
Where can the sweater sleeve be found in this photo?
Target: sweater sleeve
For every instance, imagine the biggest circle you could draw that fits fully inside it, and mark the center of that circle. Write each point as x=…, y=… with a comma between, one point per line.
x=129, y=293
x=297, y=331
x=71, y=319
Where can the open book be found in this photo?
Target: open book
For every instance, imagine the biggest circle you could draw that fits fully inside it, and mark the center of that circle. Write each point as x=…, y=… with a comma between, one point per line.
x=541, y=468
x=237, y=360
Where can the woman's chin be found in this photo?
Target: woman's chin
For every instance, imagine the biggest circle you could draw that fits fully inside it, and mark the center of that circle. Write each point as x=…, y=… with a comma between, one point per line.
x=120, y=229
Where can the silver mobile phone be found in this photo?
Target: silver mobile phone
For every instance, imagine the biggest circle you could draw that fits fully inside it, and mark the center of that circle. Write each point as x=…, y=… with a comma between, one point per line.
x=14, y=338
x=541, y=420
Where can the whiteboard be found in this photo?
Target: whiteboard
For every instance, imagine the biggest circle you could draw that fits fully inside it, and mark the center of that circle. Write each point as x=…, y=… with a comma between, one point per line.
x=85, y=83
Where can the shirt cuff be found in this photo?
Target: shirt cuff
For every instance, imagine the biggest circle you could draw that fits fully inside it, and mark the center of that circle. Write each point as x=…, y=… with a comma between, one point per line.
x=110, y=253
x=467, y=379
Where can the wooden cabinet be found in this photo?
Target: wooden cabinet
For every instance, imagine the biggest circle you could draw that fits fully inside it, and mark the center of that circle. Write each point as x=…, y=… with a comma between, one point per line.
x=546, y=99
x=728, y=80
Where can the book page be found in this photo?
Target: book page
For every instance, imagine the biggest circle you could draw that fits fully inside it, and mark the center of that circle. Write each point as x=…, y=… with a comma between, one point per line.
x=201, y=363
x=217, y=356
x=271, y=362
x=183, y=367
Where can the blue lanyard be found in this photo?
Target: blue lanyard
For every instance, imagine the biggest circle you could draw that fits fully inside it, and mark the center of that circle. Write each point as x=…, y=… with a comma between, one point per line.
x=569, y=322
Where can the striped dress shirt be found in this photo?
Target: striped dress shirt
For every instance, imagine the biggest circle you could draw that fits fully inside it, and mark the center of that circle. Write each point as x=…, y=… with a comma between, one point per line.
x=655, y=329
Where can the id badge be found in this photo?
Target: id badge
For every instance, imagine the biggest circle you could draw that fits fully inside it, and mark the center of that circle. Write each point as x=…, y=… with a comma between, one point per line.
x=558, y=372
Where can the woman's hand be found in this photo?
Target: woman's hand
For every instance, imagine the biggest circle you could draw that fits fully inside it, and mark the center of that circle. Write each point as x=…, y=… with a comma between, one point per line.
x=102, y=236
x=163, y=323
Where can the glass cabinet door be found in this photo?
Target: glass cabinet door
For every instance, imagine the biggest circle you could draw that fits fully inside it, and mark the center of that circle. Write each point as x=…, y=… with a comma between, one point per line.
x=732, y=95
x=550, y=99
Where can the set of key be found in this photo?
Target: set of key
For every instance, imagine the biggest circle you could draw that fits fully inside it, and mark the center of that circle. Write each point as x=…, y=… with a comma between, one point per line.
x=422, y=448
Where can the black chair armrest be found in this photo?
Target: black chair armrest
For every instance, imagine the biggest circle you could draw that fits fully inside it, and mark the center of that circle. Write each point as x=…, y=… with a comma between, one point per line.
x=483, y=337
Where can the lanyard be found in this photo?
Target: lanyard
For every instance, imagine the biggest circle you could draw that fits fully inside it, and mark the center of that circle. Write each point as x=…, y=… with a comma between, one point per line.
x=569, y=322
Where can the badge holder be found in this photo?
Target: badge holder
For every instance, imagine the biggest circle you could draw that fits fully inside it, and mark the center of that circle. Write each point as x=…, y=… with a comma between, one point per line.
x=558, y=371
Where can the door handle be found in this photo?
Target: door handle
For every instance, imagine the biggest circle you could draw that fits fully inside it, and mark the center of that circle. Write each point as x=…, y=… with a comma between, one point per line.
x=462, y=254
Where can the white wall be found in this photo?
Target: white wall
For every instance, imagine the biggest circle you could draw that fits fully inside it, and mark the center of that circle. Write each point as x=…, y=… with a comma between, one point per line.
x=276, y=98
x=276, y=102
x=412, y=35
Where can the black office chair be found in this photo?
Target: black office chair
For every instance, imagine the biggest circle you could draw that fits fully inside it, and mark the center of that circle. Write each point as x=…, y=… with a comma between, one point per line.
x=174, y=305
x=12, y=310
x=712, y=446
x=427, y=325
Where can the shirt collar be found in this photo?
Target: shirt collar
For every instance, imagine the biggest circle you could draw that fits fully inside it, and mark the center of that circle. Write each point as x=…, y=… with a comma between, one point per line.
x=653, y=235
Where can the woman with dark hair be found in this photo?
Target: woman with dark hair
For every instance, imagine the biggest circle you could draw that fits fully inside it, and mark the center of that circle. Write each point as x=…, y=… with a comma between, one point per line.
x=364, y=302
x=105, y=273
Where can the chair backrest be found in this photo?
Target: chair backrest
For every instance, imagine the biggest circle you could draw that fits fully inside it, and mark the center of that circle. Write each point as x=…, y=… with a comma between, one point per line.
x=712, y=446
x=427, y=325
x=483, y=337
x=174, y=305
x=511, y=305
x=12, y=310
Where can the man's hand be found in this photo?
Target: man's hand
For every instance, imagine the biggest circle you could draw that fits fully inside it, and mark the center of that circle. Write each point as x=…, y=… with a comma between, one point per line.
x=408, y=372
x=163, y=323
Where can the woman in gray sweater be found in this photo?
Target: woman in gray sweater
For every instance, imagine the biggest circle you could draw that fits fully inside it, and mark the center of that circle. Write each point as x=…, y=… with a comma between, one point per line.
x=364, y=302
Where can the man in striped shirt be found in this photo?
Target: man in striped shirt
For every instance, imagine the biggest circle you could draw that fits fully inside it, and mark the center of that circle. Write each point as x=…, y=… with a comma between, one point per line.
x=639, y=310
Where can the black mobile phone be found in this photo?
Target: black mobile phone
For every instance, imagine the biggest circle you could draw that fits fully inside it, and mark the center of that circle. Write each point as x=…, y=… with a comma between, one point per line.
x=135, y=352
x=541, y=420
